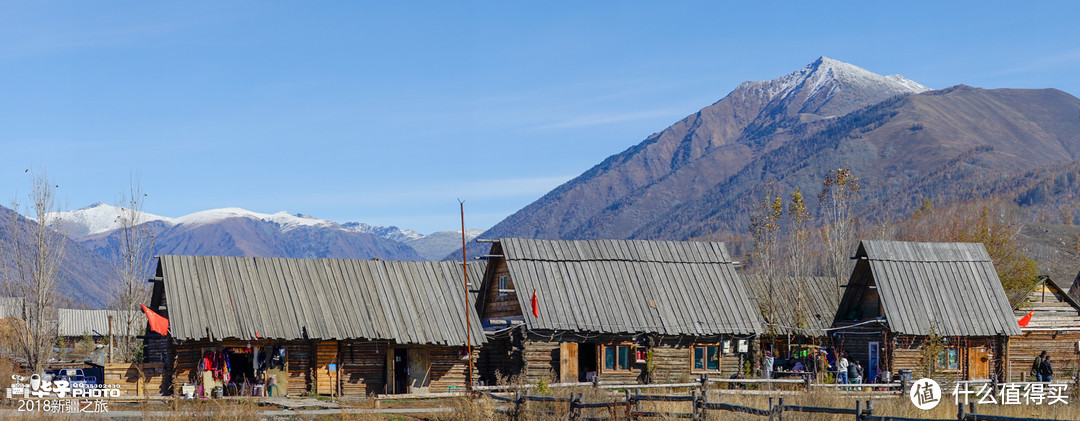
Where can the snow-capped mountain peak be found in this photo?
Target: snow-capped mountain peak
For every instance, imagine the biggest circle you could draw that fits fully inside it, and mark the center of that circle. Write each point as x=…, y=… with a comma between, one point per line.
x=286, y=220
x=391, y=232
x=101, y=218
x=98, y=218
x=813, y=88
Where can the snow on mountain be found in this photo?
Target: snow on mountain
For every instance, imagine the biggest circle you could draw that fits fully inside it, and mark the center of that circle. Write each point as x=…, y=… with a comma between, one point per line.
x=391, y=232
x=284, y=219
x=812, y=87
x=98, y=218
x=101, y=218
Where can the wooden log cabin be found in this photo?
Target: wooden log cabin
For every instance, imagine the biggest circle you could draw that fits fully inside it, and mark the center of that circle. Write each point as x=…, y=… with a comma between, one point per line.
x=1054, y=327
x=901, y=296
x=613, y=310
x=797, y=312
x=326, y=326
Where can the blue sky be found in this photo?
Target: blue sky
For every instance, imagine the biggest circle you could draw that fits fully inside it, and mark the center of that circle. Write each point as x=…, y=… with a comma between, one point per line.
x=388, y=112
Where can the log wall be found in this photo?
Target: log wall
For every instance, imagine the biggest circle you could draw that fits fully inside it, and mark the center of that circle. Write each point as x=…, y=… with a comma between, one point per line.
x=500, y=305
x=299, y=366
x=448, y=369
x=499, y=358
x=1061, y=346
x=185, y=365
x=672, y=361
x=541, y=360
x=363, y=368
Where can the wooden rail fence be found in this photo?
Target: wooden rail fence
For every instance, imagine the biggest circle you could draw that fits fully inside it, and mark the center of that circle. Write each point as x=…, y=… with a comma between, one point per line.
x=630, y=409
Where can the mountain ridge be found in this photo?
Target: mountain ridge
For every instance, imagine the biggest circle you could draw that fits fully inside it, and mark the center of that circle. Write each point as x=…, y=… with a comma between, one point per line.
x=698, y=177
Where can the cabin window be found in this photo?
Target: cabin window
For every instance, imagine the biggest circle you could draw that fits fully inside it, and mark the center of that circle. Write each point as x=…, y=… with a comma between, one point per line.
x=706, y=357
x=949, y=359
x=617, y=357
x=504, y=285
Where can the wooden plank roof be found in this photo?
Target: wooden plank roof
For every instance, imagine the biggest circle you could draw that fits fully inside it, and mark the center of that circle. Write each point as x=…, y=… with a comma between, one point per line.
x=1050, y=307
x=630, y=286
x=818, y=295
x=215, y=297
x=74, y=322
x=952, y=286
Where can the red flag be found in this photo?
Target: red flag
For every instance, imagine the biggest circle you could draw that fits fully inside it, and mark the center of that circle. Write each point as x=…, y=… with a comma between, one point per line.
x=535, y=305
x=157, y=323
x=1024, y=321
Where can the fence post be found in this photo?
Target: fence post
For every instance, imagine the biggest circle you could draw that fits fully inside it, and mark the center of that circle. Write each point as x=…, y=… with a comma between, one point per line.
x=960, y=412
x=629, y=403
x=704, y=410
x=772, y=410
x=974, y=409
x=858, y=410
x=704, y=382
x=869, y=407
x=806, y=379
x=574, y=401
x=517, y=404
x=693, y=405
x=780, y=409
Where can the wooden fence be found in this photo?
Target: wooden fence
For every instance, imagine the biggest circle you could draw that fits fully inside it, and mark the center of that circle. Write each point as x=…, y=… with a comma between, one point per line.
x=701, y=408
x=705, y=380
x=135, y=379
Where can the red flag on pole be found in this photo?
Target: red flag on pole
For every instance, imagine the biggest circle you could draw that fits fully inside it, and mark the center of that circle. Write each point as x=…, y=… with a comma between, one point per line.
x=535, y=305
x=157, y=323
x=1024, y=321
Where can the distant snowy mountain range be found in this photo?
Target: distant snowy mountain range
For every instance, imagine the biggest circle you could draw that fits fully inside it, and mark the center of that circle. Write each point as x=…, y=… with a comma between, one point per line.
x=232, y=231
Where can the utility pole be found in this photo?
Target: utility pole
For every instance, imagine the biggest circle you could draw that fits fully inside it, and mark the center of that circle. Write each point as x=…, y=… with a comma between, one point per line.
x=468, y=323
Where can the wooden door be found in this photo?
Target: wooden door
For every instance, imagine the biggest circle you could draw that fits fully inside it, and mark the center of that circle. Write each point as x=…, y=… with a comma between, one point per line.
x=568, y=362
x=390, y=372
x=326, y=369
x=978, y=363
x=419, y=370
x=873, y=360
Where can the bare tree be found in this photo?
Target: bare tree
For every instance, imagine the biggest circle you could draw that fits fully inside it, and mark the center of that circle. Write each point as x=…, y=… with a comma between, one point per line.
x=36, y=252
x=133, y=259
x=765, y=228
x=799, y=252
x=841, y=188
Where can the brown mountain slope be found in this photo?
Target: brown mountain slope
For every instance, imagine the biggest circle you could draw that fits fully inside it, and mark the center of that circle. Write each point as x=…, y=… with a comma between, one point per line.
x=951, y=141
x=86, y=278
x=680, y=163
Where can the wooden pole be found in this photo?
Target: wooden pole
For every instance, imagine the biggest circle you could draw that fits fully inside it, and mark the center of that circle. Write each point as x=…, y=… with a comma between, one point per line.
x=468, y=323
x=110, y=339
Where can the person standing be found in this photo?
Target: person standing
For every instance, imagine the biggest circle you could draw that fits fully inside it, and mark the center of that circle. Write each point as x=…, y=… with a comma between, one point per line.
x=822, y=363
x=842, y=369
x=767, y=365
x=1036, y=365
x=1046, y=371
